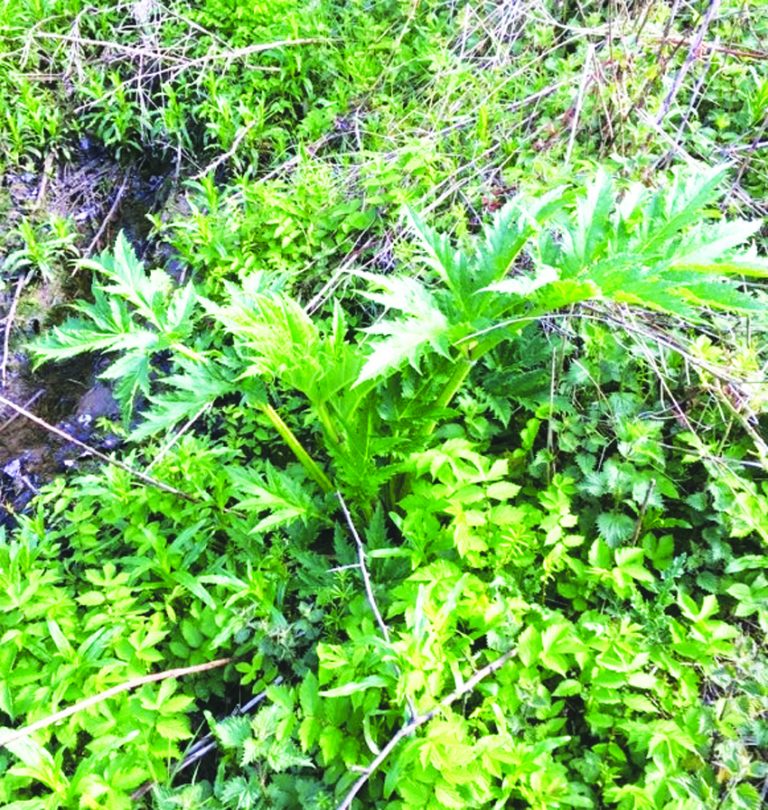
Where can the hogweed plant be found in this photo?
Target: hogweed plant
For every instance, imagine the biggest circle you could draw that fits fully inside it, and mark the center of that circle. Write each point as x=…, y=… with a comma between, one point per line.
x=490, y=578
x=374, y=398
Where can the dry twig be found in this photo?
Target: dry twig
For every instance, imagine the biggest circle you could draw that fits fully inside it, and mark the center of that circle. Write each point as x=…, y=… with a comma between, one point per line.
x=110, y=215
x=8, y=326
x=693, y=54
x=230, y=152
x=12, y=736
x=364, y=569
x=31, y=401
x=585, y=80
x=161, y=454
x=206, y=743
x=369, y=589
x=419, y=720
x=56, y=431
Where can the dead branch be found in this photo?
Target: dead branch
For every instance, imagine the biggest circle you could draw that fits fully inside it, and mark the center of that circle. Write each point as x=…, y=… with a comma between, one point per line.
x=693, y=54
x=31, y=401
x=364, y=569
x=56, y=431
x=229, y=153
x=369, y=589
x=8, y=327
x=161, y=454
x=728, y=50
x=167, y=55
x=206, y=743
x=586, y=78
x=94, y=243
x=420, y=720
x=12, y=736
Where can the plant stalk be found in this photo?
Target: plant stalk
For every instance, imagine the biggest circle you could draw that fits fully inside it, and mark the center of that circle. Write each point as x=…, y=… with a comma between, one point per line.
x=327, y=422
x=289, y=437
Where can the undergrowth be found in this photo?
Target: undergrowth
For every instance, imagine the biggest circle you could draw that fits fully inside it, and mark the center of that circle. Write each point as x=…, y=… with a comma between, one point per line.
x=442, y=477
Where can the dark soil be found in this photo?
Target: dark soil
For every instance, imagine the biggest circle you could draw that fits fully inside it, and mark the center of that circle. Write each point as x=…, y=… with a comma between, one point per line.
x=102, y=197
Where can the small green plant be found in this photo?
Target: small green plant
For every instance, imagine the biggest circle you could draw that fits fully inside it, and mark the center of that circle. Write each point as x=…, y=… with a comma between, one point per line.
x=46, y=248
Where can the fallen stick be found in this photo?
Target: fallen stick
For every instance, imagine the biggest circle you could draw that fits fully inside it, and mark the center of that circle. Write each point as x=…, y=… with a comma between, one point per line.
x=110, y=215
x=204, y=744
x=420, y=720
x=147, y=479
x=12, y=736
x=31, y=401
x=8, y=326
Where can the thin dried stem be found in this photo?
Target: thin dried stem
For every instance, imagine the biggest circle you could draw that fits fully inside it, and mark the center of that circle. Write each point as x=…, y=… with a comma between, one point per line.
x=10, y=737
x=8, y=327
x=94, y=243
x=693, y=54
x=63, y=434
x=364, y=569
x=369, y=587
x=419, y=720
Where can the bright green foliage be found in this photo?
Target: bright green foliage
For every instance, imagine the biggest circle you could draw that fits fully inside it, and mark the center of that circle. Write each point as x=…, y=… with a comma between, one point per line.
x=132, y=313
x=42, y=248
x=635, y=249
x=581, y=553
x=537, y=385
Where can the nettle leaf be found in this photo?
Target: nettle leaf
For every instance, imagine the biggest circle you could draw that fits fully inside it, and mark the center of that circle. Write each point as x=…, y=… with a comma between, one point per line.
x=124, y=276
x=278, y=339
x=105, y=325
x=402, y=294
x=720, y=296
x=640, y=249
x=708, y=244
x=510, y=230
x=134, y=314
x=274, y=327
x=680, y=205
x=615, y=528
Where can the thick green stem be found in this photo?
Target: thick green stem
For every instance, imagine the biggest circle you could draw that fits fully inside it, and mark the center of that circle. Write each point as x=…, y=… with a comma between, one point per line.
x=470, y=355
x=459, y=374
x=327, y=422
x=289, y=437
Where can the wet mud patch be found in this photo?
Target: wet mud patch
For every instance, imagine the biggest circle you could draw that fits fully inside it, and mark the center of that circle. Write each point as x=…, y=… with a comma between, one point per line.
x=98, y=196
x=67, y=396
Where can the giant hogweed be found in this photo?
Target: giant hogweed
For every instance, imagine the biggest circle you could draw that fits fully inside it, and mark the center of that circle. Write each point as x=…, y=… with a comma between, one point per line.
x=644, y=248
x=655, y=249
